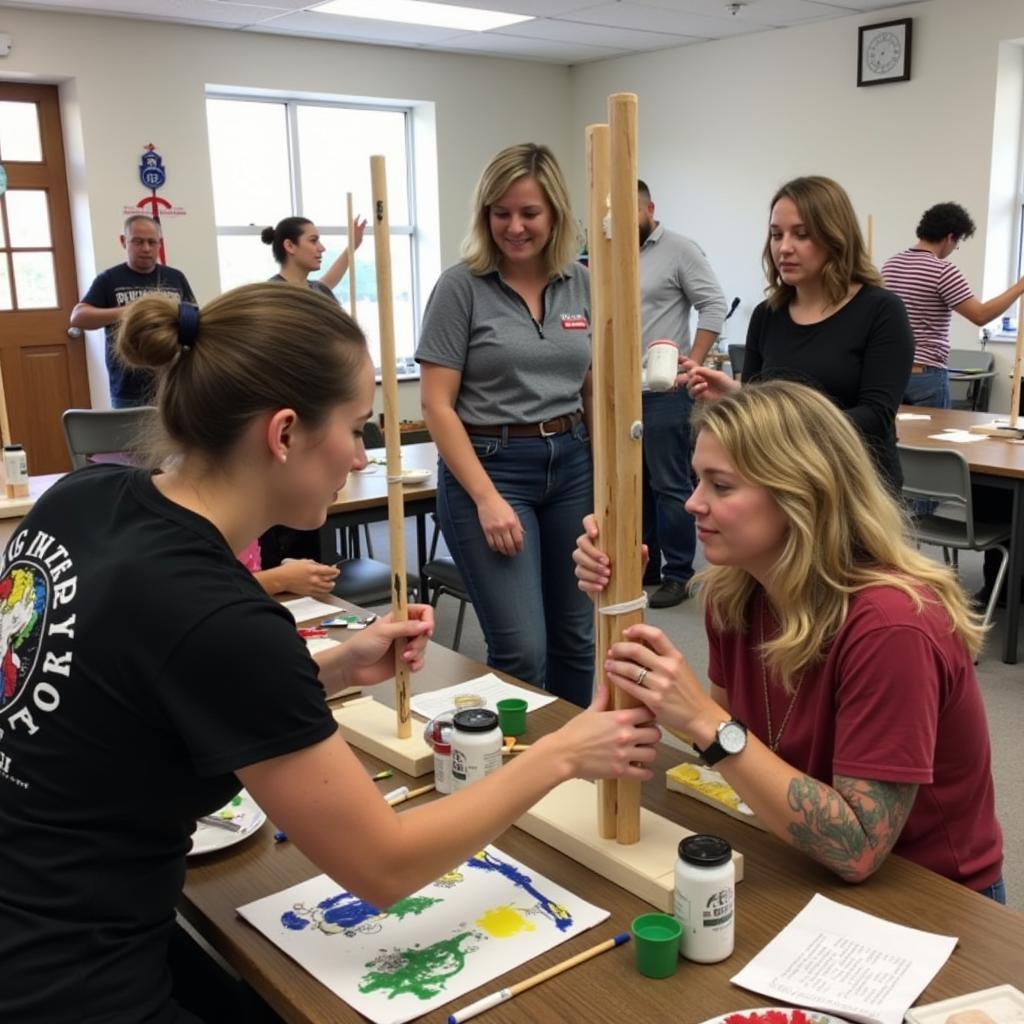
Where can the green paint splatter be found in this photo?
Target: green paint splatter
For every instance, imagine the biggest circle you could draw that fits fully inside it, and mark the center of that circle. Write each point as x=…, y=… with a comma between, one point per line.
x=236, y=800
x=418, y=972
x=411, y=905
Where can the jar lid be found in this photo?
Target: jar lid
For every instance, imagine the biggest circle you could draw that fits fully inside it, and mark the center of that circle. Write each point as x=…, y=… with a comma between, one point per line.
x=705, y=851
x=475, y=720
x=441, y=737
x=14, y=447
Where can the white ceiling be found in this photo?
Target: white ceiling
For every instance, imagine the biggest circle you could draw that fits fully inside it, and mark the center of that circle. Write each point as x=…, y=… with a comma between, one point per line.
x=564, y=32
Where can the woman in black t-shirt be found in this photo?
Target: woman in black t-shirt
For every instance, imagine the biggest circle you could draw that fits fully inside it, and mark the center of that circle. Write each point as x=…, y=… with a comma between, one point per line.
x=827, y=321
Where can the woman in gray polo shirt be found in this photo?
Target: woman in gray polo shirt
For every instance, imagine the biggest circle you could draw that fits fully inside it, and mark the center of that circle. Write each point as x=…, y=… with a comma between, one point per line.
x=505, y=363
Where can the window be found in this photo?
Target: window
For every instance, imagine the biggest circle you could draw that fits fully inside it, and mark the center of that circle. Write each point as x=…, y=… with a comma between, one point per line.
x=279, y=158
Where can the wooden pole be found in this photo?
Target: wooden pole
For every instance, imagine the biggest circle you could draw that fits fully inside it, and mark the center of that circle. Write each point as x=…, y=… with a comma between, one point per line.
x=351, y=258
x=1018, y=354
x=618, y=416
x=871, y=236
x=392, y=438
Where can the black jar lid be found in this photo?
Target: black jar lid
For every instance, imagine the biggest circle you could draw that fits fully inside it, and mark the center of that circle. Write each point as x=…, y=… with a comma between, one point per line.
x=475, y=720
x=705, y=851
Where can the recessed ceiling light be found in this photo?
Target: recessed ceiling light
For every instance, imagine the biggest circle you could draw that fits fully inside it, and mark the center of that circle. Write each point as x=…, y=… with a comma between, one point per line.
x=420, y=12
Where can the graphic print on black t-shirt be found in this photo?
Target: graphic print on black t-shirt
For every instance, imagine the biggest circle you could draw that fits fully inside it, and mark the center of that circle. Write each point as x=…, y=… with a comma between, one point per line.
x=37, y=631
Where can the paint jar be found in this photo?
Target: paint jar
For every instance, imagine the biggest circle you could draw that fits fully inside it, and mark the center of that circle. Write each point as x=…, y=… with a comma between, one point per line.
x=662, y=364
x=16, y=471
x=705, y=898
x=476, y=745
x=441, y=740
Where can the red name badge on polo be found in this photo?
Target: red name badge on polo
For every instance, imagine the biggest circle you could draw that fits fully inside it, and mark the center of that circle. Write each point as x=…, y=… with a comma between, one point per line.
x=574, y=322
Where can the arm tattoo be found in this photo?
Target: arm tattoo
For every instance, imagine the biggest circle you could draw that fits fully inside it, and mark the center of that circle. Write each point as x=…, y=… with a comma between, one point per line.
x=852, y=826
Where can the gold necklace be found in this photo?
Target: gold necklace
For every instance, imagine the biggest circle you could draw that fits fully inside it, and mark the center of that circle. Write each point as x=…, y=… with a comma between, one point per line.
x=774, y=741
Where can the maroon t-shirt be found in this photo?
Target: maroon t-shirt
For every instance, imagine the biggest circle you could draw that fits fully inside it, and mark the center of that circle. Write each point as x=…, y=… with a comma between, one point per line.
x=895, y=700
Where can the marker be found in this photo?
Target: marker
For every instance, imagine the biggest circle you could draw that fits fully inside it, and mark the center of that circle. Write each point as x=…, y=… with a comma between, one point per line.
x=385, y=774
x=403, y=793
x=488, y=1002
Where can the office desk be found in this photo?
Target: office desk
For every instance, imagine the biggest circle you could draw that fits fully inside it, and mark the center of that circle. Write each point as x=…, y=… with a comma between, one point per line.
x=778, y=883
x=995, y=462
x=364, y=499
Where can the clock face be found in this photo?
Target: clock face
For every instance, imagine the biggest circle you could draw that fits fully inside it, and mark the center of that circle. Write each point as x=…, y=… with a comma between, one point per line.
x=883, y=53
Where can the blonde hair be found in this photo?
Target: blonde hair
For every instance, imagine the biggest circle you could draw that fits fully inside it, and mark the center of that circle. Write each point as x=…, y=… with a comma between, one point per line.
x=828, y=215
x=846, y=532
x=256, y=348
x=526, y=160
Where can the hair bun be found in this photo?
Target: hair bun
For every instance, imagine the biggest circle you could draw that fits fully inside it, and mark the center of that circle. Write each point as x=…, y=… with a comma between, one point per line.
x=148, y=334
x=267, y=236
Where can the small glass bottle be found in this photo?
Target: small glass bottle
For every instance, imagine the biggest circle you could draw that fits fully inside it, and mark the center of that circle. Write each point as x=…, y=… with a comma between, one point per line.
x=16, y=471
x=476, y=745
x=705, y=898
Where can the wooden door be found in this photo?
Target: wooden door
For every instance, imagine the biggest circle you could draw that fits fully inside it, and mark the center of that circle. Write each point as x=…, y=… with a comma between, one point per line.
x=42, y=369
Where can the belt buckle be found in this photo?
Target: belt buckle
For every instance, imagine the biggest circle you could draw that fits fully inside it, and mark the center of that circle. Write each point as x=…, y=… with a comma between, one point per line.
x=549, y=433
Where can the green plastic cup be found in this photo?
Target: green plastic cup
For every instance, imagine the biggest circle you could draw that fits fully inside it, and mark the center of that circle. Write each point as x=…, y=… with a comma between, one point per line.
x=656, y=944
x=512, y=716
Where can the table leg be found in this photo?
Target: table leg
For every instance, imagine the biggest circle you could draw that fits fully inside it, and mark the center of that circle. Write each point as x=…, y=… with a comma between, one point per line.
x=421, y=544
x=1013, y=581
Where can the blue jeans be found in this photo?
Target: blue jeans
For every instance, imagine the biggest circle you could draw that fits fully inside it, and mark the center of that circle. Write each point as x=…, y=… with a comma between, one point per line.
x=996, y=891
x=929, y=387
x=538, y=625
x=669, y=530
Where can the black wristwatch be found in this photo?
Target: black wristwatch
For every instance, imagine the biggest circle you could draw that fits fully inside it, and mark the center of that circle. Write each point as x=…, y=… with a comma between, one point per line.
x=731, y=738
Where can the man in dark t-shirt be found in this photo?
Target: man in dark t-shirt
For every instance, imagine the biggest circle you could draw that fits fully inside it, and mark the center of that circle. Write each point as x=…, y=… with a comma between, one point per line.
x=115, y=289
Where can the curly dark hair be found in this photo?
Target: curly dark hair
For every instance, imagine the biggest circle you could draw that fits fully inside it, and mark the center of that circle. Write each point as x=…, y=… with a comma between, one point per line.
x=945, y=219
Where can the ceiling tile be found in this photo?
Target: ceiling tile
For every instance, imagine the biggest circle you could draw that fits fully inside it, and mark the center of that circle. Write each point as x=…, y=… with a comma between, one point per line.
x=206, y=12
x=536, y=8
x=776, y=13
x=661, y=19
x=361, y=30
x=530, y=49
x=592, y=35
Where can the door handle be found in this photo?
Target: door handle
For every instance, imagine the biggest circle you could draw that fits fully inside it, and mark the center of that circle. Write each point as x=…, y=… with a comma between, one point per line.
x=74, y=332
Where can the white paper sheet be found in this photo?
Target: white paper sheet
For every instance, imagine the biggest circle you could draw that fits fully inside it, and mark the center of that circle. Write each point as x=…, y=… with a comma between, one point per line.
x=489, y=687
x=305, y=608
x=959, y=436
x=469, y=927
x=912, y=416
x=846, y=962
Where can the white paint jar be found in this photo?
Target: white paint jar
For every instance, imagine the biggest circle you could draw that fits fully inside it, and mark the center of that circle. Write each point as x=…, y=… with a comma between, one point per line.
x=16, y=471
x=476, y=745
x=662, y=364
x=705, y=898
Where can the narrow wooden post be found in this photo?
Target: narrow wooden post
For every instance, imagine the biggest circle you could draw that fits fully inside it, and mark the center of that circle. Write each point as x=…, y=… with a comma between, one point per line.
x=618, y=453
x=351, y=258
x=392, y=437
x=1018, y=354
x=870, y=241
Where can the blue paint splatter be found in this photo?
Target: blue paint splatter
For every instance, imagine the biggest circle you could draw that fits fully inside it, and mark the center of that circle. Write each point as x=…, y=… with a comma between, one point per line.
x=485, y=861
x=347, y=911
x=294, y=922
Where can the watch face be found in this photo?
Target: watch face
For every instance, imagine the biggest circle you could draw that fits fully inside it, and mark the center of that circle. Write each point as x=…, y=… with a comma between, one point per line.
x=732, y=737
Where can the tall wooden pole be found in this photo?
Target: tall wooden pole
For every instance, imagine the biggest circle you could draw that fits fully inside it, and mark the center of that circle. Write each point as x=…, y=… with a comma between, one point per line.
x=392, y=438
x=618, y=416
x=351, y=258
x=871, y=236
x=1018, y=354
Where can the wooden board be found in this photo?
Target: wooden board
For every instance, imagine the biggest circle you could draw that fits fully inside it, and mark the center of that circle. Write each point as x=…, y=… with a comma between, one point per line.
x=370, y=726
x=566, y=819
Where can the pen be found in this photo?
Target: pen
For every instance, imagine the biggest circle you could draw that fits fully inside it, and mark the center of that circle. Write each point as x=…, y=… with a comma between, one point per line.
x=505, y=994
x=385, y=774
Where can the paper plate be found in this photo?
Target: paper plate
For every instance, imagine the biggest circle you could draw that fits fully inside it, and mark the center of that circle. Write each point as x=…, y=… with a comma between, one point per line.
x=415, y=476
x=776, y=1015
x=243, y=811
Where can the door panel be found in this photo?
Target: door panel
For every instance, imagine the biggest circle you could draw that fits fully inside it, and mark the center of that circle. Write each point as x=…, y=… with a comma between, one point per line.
x=43, y=371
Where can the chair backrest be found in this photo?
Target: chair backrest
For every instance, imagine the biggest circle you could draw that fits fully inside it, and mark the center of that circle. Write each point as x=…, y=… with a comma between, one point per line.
x=736, y=353
x=92, y=432
x=373, y=436
x=940, y=474
x=970, y=359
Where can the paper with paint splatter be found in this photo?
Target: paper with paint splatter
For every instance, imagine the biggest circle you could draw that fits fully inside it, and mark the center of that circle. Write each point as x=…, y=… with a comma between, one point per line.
x=464, y=930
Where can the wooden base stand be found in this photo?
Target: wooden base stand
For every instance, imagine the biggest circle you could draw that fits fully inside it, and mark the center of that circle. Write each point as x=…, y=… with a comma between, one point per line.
x=370, y=726
x=567, y=820
x=999, y=428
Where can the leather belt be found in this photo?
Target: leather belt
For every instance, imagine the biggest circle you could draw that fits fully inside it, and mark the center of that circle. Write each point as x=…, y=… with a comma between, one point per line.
x=921, y=367
x=559, y=425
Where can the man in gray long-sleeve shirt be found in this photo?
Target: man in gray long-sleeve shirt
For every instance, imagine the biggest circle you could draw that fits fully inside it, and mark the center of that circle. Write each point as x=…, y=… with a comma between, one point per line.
x=675, y=276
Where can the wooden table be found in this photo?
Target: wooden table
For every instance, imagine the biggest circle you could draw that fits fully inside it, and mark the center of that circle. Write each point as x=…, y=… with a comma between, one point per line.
x=364, y=499
x=778, y=883
x=13, y=510
x=995, y=462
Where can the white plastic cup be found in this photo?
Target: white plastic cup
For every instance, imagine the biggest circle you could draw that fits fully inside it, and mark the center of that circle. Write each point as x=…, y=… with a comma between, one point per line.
x=662, y=364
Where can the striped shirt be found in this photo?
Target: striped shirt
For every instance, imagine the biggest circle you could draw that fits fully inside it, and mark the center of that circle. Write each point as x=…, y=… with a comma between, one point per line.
x=930, y=289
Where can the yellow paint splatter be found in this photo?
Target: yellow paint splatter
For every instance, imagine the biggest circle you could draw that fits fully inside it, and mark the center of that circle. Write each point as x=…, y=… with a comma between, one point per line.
x=504, y=922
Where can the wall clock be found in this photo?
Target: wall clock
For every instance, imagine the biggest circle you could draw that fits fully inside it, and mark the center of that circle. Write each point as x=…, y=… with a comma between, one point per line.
x=883, y=52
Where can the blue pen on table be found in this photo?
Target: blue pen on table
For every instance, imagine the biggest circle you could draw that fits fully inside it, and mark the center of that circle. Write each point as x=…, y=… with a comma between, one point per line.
x=497, y=998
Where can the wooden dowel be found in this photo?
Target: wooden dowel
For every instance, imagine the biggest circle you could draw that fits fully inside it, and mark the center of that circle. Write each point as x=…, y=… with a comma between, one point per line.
x=871, y=236
x=618, y=408
x=392, y=438
x=1018, y=353
x=351, y=257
